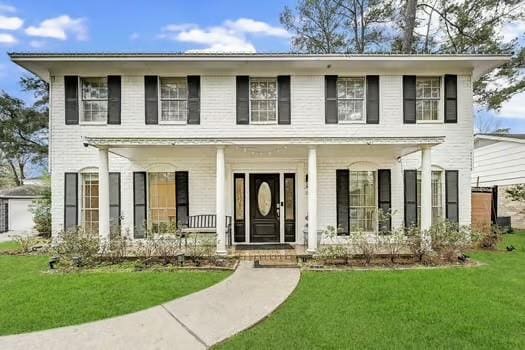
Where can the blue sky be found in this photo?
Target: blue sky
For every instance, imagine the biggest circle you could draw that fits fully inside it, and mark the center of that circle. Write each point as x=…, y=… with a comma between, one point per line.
x=59, y=25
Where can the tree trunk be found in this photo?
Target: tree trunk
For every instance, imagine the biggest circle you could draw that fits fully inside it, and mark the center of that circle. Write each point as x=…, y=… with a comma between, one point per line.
x=15, y=174
x=21, y=167
x=409, y=21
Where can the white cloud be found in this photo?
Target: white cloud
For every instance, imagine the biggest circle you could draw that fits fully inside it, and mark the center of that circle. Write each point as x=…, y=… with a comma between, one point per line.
x=512, y=30
x=248, y=25
x=7, y=8
x=11, y=23
x=7, y=39
x=231, y=36
x=60, y=28
x=37, y=44
x=513, y=108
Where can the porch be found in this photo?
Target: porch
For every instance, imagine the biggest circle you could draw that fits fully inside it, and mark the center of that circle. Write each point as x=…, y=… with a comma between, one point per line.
x=276, y=191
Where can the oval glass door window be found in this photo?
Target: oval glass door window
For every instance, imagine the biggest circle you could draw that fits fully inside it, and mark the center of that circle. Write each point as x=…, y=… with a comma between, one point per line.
x=264, y=198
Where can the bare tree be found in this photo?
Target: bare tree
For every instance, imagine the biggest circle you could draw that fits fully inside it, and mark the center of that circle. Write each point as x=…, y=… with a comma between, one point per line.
x=316, y=26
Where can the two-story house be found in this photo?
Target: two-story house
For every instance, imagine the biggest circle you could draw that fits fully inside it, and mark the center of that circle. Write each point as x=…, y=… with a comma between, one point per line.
x=268, y=142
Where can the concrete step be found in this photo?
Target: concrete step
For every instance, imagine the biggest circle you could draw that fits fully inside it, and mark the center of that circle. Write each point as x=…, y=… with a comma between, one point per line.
x=274, y=263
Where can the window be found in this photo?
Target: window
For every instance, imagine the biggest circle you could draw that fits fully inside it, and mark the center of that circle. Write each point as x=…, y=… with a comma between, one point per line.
x=350, y=99
x=239, y=198
x=263, y=100
x=427, y=98
x=362, y=201
x=173, y=99
x=437, y=196
x=162, y=203
x=94, y=100
x=90, y=202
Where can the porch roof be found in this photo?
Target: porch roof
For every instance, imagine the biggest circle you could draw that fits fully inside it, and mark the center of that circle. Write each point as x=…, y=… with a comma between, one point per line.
x=125, y=142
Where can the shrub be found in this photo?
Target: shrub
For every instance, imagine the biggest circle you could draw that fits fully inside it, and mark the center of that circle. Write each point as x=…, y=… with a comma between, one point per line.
x=41, y=209
x=393, y=243
x=487, y=237
x=77, y=244
x=366, y=246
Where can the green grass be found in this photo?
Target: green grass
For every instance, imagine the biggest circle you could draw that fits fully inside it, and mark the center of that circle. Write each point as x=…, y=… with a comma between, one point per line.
x=31, y=299
x=7, y=246
x=463, y=308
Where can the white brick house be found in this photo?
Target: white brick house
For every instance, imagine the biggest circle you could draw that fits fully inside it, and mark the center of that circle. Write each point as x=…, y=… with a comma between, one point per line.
x=264, y=140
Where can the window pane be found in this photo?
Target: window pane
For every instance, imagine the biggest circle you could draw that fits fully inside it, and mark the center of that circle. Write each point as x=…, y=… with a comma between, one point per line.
x=437, y=196
x=427, y=97
x=162, y=201
x=94, y=88
x=173, y=88
x=289, y=198
x=350, y=98
x=263, y=100
x=174, y=110
x=362, y=201
x=239, y=198
x=90, y=202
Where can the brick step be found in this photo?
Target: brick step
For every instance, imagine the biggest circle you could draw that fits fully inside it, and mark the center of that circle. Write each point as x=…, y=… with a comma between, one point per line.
x=264, y=263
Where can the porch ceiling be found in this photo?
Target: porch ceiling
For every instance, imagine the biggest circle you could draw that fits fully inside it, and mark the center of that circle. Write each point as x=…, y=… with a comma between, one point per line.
x=286, y=147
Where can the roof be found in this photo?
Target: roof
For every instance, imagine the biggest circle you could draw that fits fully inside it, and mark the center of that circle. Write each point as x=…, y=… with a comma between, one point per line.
x=25, y=191
x=519, y=138
x=45, y=64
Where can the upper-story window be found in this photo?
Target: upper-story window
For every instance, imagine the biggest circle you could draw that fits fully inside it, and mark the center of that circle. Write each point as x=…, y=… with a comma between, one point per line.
x=263, y=100
x=428, y=93
x=173, y=99
x=94, y=100
x=350, y=99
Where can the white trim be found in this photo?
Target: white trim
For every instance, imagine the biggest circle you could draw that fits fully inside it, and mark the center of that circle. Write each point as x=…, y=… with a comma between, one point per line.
x=498, y=138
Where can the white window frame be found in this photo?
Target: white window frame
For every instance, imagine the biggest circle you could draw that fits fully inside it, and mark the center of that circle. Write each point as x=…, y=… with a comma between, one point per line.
x=269, y=122
x=81, y=100
x=440, y=113
x=171, y=122
x=363, y=119
x=83, y=209
x=149, y=223
x=442, y=182
x=375, y=223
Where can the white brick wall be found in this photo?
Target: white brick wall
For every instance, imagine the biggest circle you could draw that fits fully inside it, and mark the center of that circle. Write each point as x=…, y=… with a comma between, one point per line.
x=67, y=154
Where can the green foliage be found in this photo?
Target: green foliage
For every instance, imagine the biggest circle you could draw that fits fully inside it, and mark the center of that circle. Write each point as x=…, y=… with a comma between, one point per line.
x=516, y=193
x=41, y=209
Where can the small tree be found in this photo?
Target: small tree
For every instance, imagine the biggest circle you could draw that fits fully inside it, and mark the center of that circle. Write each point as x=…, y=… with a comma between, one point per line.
x=516, y=193
x=41, y=209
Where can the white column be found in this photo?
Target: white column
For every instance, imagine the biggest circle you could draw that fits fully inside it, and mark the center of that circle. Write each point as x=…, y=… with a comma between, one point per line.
x=426, y=189
x=103, y=195
x=220, y=204
x=312, y=200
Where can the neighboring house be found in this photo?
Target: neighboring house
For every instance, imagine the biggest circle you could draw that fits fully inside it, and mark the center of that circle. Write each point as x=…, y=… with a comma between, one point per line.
x=15, y=208
x=267, y=141
x=499, y=163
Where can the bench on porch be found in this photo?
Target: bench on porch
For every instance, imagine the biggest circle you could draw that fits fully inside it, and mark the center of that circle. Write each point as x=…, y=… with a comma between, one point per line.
x=205, y=224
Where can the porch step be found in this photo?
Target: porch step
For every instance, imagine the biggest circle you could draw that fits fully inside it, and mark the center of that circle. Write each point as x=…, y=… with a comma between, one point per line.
x=275, y=263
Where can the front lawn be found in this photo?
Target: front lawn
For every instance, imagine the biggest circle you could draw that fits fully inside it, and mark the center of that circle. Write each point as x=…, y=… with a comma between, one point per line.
x=32, y=299
x=448, y=308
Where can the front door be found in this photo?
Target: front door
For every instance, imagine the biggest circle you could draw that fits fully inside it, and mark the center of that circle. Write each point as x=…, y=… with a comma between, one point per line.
x=264, y=208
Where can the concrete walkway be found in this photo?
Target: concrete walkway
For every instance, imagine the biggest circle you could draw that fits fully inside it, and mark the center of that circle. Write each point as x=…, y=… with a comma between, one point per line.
x=196, y=321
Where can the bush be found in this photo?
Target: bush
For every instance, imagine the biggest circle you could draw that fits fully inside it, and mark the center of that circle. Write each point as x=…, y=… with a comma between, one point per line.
x=77, y=245
x=393, y=243
x=41, y=209
x=366, y=246
x=487, y=237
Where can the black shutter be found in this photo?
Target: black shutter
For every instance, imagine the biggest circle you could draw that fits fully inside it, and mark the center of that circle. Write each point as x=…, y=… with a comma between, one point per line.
x=372, y=99
x=410, y=188
x=139, y=204
x=114, y=93
x=243, y=99
x=71, y=97
x=409, y=99
x=70, y=200
x=151, y=94
x=194, y=99
x=452, y=195
x=284, y=109
x=182, y=197
x=342, y=184
x=384, y=186
x=114, y=202
x=330, y=96
x=451, y=98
